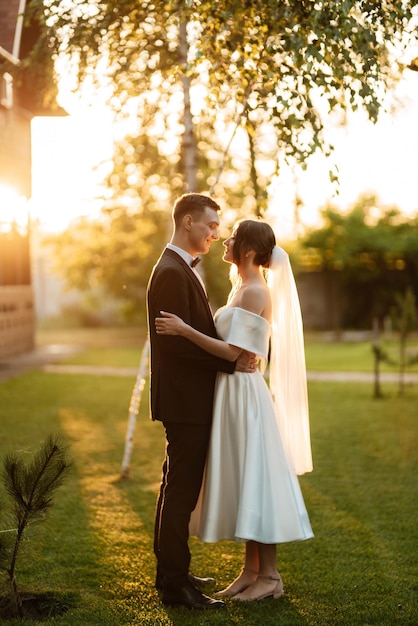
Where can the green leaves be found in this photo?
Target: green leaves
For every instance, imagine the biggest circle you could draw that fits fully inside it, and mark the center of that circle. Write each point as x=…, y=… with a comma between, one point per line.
x=332, y=48
x=365, y=228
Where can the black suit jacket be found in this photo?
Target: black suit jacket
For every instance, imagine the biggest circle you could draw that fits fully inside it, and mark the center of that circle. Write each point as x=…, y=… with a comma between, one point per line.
x=182, y=375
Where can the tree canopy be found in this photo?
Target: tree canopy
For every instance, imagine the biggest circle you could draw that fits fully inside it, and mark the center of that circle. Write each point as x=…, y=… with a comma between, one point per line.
x=255, y=63
x=194, y=78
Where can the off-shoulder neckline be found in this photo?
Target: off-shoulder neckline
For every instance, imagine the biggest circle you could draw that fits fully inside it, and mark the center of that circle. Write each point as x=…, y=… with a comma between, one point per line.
x=239, y=308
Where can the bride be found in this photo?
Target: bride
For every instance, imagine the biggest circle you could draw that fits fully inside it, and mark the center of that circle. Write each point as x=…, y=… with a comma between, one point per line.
x=260, y=433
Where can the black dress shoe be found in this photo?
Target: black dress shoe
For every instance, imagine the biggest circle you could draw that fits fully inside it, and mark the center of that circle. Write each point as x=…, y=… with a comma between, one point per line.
x=191, y=598
x=196, y=581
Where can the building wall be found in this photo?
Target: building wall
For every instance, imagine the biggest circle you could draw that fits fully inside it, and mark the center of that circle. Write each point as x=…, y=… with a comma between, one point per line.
x=17, y=320
x=321, y=300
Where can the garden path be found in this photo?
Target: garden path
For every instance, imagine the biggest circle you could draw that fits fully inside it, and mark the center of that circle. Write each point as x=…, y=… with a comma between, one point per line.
x=47, y=359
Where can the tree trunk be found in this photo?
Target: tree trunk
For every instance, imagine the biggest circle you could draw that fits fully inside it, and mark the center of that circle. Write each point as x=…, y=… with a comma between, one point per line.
x=189, y=146
x=134, y=410
x=253, y=171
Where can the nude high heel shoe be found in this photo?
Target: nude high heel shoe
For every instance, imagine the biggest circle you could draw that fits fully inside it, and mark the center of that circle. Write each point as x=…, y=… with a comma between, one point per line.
x=275, y=593
x=237, y=586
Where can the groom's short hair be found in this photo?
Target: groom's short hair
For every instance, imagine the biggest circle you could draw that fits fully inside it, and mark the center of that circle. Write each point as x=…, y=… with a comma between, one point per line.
x=192, y=204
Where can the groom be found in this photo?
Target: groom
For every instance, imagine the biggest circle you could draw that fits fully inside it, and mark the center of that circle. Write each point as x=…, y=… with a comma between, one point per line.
x=182, y=387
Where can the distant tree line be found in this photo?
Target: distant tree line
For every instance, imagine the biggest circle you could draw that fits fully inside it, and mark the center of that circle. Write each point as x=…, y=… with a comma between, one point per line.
x=372, y=252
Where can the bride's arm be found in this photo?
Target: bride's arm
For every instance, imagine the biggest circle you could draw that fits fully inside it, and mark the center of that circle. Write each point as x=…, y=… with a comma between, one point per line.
x=170, y=324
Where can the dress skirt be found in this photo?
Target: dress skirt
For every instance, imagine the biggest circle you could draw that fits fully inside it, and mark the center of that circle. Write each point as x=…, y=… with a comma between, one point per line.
x=249, y=490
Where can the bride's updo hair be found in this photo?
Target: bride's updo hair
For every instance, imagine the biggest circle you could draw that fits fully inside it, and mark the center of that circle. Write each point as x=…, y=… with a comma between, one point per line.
x=254, y=235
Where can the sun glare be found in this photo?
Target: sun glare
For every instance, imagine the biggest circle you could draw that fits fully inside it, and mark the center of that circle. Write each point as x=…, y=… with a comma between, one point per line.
x=70, y=159
x=13, y=209
x=70, y=155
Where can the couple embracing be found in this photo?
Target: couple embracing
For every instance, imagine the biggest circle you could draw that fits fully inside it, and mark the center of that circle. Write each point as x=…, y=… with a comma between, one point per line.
x=234, y=445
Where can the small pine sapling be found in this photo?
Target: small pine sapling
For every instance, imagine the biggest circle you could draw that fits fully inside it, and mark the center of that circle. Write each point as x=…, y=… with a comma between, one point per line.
x=31, y=486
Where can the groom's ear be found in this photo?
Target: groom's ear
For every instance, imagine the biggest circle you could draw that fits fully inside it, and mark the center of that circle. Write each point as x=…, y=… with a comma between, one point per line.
x=187, y=222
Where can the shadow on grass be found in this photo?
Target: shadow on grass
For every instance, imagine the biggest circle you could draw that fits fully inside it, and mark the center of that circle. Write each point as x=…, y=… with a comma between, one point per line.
x=222, y=560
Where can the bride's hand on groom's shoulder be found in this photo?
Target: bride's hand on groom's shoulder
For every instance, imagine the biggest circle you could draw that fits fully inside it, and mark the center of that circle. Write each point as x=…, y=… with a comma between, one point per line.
x=168, y=324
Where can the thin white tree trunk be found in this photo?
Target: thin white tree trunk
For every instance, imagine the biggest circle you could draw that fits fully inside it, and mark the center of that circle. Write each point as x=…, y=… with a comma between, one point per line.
x=134, y=409
x=189, y=147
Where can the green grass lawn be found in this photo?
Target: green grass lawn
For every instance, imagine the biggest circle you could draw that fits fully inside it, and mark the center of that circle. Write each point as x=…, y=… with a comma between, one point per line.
x=353, y=356
x=95, y=551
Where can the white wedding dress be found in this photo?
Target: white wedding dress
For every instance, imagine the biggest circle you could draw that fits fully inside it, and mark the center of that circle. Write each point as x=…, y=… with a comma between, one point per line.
x=249, y=491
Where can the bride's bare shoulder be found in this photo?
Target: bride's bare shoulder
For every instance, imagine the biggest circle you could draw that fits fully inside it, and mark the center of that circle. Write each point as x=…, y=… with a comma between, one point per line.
x=255, y=297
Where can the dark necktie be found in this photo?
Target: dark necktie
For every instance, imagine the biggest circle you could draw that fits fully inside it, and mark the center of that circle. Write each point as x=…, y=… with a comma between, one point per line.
x=195, y=261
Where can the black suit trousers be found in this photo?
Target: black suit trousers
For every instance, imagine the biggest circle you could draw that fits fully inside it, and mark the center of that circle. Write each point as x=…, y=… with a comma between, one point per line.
x=184, y=464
